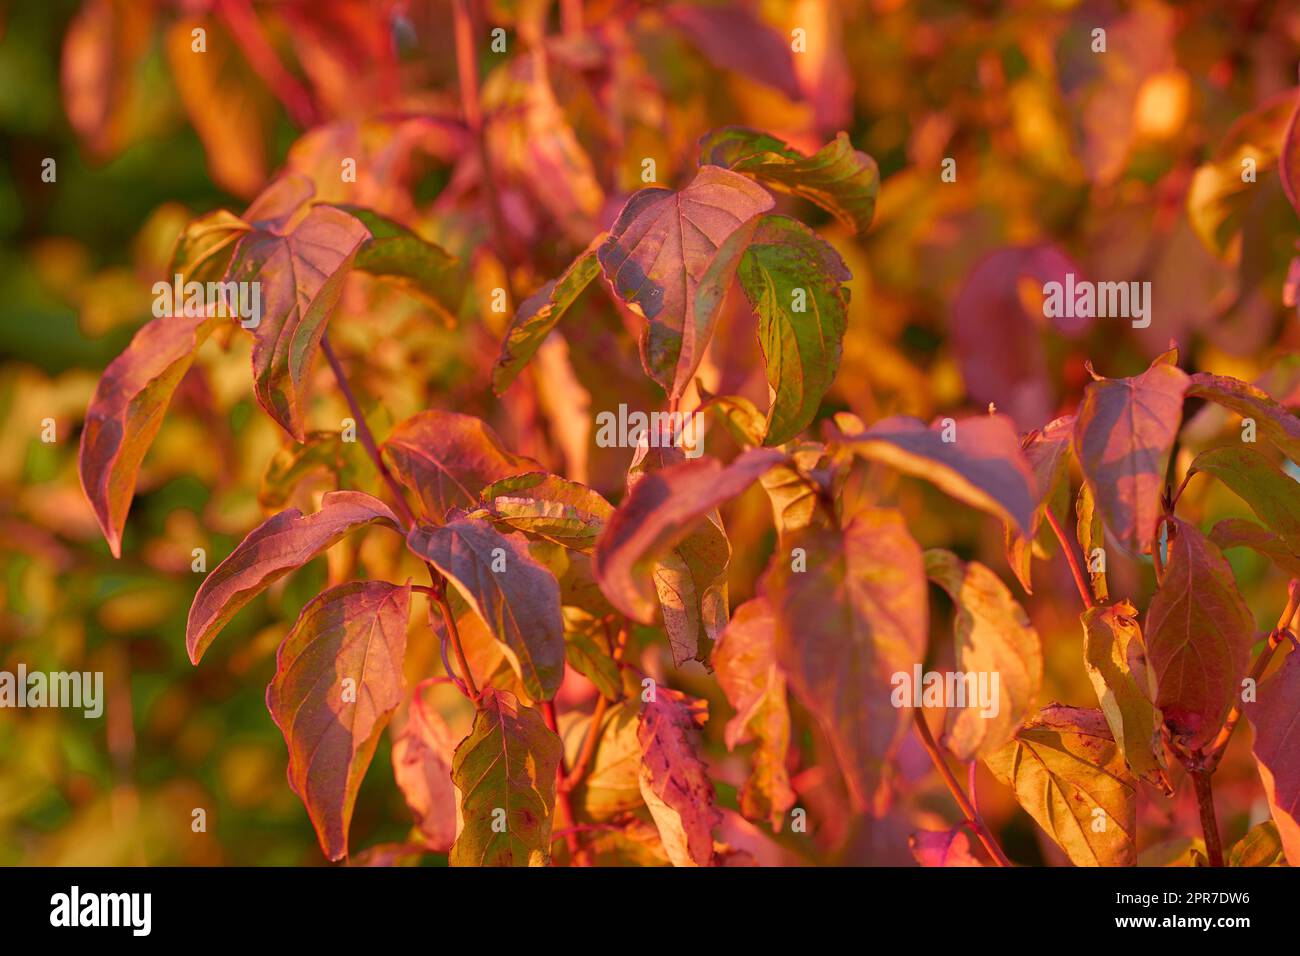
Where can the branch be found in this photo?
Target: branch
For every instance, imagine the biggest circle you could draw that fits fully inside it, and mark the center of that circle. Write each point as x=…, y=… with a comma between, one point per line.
x=563, y=808
x=1080, y=582
x=574, y=777
x=968, y=811
x=1205, y=803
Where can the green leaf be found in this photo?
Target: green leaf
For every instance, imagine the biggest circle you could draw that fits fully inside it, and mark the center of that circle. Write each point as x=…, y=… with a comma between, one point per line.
x=1277, y=424
x=612, y=784
x=1069, y=776
x=1114, y=655
x=550, y=508
x=538, y=314
x=424, y=268
x=586, y=648
x=505, y=772
x=794, y=281
x=338, y=679
x=837, y=177
x=204, y=247
x=1239, y=533
x=1272, y=494
x=993, y=637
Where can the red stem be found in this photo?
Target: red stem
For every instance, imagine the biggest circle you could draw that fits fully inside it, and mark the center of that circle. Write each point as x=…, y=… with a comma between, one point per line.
x=968, y=811
x=1080, y=582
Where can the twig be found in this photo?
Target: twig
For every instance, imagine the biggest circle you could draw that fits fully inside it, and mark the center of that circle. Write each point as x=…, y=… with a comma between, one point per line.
x=574, y=777
x=367, y=439
x=972, y=817
x=449, y=622
x=1205, y=804
x=1080, y=582
x=563, y=807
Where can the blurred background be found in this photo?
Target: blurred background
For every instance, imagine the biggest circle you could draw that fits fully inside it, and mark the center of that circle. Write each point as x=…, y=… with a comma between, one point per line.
x=1117, y=165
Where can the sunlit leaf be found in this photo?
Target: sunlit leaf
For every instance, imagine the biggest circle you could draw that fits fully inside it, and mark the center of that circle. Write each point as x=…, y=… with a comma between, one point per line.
x=1277, y=749
x=673, y=778
x=423, y=747
x=1276, y=424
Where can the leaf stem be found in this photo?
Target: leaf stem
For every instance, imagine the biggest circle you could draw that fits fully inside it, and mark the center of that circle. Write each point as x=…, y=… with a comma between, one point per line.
x=364, y=433
x=563, y=807
x=1076, y=569
x=967, y=809
x=1205, y=804
x=574, y=777
x=449, y=622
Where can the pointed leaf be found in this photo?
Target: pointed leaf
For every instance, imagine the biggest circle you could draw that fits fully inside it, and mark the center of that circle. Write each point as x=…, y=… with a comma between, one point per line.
x=840, y=179
x=423, y=747
x=505, y=771
x=301, y=275
x=856, y=616
x=447, y=458
x=338, y=679
x=547, y=507
x=1115, y=657
x=517, y=598
x=1273, y=715
x=1123, y=435
x=674, y=780
x=994, y=640
x=745, y=660
x=280, y=544
x=126, y=412
x=1277, y=424
x=1199, y=634
x=205, y=246
x=1261, y=846
x=794, y=281
x=1239, y=533
x=658, y=253
x=981, y=465
x=538, y=314
x=1272, y=494
x=659, y=513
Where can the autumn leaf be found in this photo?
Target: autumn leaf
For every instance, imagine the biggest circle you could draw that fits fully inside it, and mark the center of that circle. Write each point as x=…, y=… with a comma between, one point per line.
x=942, y=848
x=1239, y=533
x=1199, y=633
x=993, y=637
x=1272, y=494
x=538, y=315
x=839, y=178
x=397, y=253
x=733, y=38
x=338, y=679
x=847, y=621
x=1123, y=435
x=1261, y=846
x=1276, y=424
x=660, y=512
x=517, y=598
x=1115, y=657
x=1069, y=776
x=1277, y=749
x=659, y=251
x=611, y=787
x=975, y=460
x=447, y=458
x=794, y=281
x=745, y=662
x=674, y=780
x=587, y=650
x=422, y=752
x=548, y=507
x=1092, y=539
x=1047, y=451
x=300, y=274
x=505, y=772
x=280, y=544
x=203, y=249
x=127, y=410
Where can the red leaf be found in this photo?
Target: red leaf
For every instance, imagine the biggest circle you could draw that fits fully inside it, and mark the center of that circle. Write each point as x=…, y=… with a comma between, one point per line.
x=1199, y=633
x=517, y=598
x=338, y=679
x=733, y=38
x=661, y=511
x=127, y=410
x=446, y=459
x=422, y=753
x=976, y=460
x=280, y=544
x=1123, y=434
x=301, y=273
x=657, y=256
x=1274, y=716
x=674, y=780
x=942, y=848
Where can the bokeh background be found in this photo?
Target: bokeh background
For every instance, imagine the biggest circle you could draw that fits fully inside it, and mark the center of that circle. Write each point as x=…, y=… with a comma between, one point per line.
x=1122, y=165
